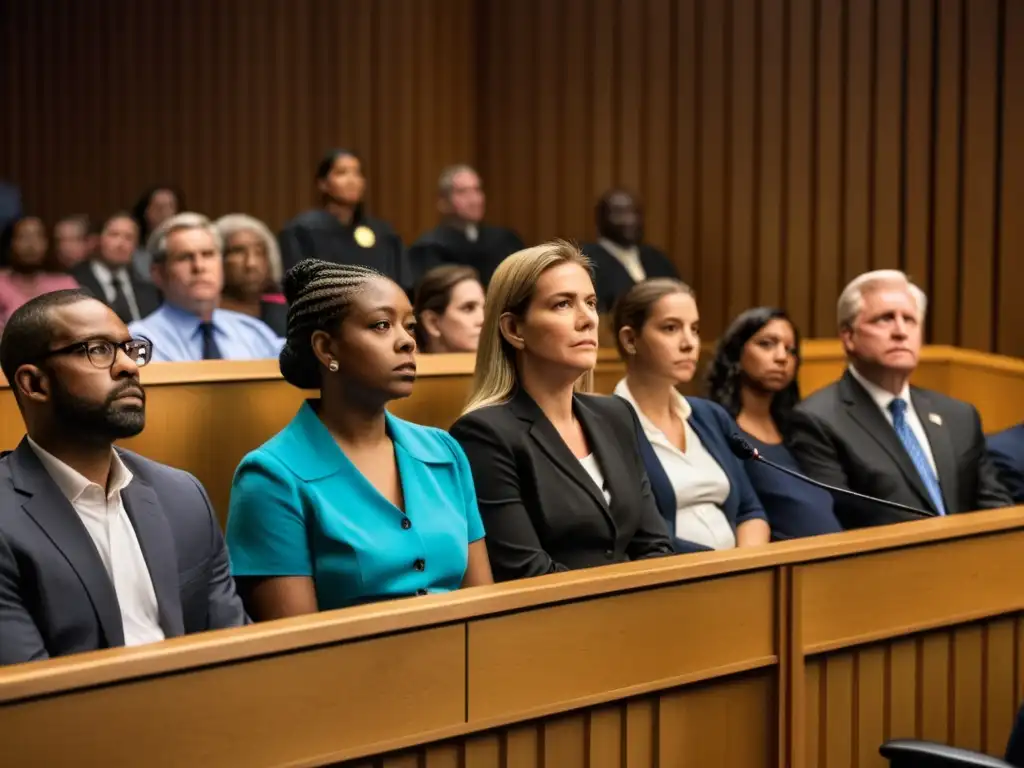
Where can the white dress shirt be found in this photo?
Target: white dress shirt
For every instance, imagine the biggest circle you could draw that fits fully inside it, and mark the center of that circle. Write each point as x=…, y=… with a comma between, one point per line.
x=590, y=464
x=629, y=258
x=106, y=277
x=699, y=483
x=883, y=397
x=111, y=530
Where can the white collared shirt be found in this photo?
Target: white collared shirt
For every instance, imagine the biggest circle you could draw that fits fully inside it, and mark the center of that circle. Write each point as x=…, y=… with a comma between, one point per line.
x=111, y=530
x=629, y=258
x=472, y=233
x=106, y=277
x=699, y=483
x=882, y=399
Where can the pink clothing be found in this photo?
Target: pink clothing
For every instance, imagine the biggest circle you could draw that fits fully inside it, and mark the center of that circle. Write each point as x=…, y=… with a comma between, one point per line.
x=16, y=289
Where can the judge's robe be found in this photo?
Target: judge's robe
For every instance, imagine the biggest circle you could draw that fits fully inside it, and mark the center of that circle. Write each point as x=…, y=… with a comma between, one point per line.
x=316, y=234
x=611, y=280
x=448, y=245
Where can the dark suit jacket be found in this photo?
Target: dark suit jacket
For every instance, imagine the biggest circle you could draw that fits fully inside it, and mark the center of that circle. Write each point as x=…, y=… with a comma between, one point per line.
x=146, y=296
x=55, y=595
x=1006, y=450
x=611, y=280
x=841, y=437
x=542, y=512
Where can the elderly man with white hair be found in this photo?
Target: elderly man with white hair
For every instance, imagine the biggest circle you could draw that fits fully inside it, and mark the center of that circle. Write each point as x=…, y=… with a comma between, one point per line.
x=871, y=432
x=188, y=268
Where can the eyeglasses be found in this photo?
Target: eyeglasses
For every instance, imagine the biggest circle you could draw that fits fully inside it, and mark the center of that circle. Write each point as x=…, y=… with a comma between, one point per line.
x=102, y=353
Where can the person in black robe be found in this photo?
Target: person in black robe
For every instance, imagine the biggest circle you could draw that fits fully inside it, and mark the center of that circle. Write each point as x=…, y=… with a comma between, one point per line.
x=341, y=231
x=462, y=237
x=620, y=257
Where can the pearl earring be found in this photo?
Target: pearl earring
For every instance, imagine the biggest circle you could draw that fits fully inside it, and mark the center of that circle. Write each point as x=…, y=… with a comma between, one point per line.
x=333, y=366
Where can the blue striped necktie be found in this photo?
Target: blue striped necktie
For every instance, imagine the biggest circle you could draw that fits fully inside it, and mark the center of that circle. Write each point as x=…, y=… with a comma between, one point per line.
x=898, y=408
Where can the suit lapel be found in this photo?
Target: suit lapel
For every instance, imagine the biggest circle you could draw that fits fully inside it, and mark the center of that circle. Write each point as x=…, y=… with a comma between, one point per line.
x=941, y=443
x=52, y=512
x=868, y=415
x=157, y=543
x=606, y=448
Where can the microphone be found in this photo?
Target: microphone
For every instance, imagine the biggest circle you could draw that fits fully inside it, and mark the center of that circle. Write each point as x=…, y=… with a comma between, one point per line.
x=745, y=451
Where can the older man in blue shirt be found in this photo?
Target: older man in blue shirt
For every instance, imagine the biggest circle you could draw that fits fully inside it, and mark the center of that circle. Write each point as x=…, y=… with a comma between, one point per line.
x=188, y=268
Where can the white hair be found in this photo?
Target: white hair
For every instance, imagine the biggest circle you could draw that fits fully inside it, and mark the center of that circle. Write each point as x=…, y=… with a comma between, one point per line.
x=851, y=300
x=446, y=181
x=234, y=223
x=157, y=243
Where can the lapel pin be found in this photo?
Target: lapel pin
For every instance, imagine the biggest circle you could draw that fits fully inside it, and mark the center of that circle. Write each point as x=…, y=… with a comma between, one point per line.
x=934, y=418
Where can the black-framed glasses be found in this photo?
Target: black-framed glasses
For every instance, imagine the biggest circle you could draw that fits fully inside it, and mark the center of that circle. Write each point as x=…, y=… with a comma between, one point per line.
x=102, y=352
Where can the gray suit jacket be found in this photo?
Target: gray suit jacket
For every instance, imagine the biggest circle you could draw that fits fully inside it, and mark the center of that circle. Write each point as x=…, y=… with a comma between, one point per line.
x=55, y=595
x=840, y=437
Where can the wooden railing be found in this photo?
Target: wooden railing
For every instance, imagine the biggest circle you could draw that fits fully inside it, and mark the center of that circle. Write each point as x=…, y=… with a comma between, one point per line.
x=803, y=654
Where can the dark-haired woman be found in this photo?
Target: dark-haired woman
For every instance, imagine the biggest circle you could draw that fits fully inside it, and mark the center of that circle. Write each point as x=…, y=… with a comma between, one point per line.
x=349, y=504
x=155, y=206
x=340, y=230
x=449, y=308
x=23, y=246
x=753, y=376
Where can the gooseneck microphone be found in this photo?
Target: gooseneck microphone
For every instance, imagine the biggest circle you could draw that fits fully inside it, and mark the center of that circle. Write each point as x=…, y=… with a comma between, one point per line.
x=745, y=451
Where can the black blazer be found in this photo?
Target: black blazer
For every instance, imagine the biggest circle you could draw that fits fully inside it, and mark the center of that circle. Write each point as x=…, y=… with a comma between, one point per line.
x=541, y=510
x=147, y=297
x=1006, y=449
x=611, y=280
x=841, y=437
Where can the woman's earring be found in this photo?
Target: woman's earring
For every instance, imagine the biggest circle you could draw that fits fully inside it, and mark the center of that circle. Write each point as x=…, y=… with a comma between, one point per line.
x=333, y=366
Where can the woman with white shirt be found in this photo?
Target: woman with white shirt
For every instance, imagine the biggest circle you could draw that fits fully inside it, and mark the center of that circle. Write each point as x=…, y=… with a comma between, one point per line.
x=657, y=332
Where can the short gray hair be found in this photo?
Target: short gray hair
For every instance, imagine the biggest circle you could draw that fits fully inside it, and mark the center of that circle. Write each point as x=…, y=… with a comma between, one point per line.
x=234, y=223
x=851, y=300
x=446, y=181
x=157, y=243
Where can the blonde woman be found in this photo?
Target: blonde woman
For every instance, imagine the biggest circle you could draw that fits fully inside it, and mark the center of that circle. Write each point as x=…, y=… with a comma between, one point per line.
x=559, y=478
x=252, y=271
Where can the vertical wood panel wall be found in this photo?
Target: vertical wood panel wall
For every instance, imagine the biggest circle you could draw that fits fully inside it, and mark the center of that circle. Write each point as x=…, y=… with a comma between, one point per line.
x=234, y=100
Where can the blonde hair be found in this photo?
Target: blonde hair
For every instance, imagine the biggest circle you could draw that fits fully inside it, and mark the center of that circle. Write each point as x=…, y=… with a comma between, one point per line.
x=510, y=291
x=851, y=300
x=233, y=223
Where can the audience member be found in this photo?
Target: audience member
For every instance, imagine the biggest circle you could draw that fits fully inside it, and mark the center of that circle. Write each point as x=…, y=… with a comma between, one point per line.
x=449, y=307
x=620, y=256
x=462, y=237
x=1006, y=450
x=10, y=206
x=340, y=230
x=252, y=271
x=657, y=329
x=23, y=246
x=153, y=208
x=873, y=433
x=109, y=276
x=99, y=547
x=73, y=241
x=188, y=268
x=558, y=474
x=754, y=377
x=349, y=504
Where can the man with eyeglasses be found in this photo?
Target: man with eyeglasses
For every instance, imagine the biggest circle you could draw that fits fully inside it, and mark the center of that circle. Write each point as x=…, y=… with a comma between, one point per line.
x=99, y=547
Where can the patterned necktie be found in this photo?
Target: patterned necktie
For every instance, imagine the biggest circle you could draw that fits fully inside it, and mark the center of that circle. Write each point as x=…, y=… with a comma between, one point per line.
x=210, y=349
x=898, y=408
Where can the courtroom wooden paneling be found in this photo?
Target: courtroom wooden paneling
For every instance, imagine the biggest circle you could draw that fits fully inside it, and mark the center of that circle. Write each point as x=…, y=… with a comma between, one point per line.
x=235, y=101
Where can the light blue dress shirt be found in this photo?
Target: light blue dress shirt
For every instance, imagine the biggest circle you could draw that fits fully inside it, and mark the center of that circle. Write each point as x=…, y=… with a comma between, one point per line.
x=300, y=507
x=177, y=338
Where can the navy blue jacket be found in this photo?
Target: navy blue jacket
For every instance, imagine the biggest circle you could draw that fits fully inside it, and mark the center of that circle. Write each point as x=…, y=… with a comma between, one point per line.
x=1006, y=449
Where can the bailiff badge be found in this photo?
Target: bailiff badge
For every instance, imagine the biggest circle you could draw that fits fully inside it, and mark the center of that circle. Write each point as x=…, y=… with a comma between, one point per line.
x=365, y=237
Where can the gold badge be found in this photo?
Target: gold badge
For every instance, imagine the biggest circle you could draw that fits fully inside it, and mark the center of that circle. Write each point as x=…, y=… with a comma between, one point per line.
x=365, y=237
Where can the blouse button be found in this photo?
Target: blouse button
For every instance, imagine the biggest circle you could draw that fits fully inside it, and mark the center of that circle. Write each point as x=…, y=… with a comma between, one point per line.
x=419, y=565
x=610, y=554
x=406, y=523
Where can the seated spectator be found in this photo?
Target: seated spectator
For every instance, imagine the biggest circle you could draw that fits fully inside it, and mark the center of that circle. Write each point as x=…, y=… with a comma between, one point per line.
x=657, y=328
x=558, y=472
x=873, y=433
x=23, y=248
x=1006, y=451
x=73, y=240
x=449, y=306
x=252, y=271
x=462, y=237
x=10, y=206
x=349, y=504
x=754, y=377
x=153, y=208
x=340, y=231
x=188, y=268
x=620, y=256
x=99, y=547
x=109, y=276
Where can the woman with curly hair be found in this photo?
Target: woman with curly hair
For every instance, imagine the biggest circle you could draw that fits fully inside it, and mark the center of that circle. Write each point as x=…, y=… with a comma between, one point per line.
x=753, y=376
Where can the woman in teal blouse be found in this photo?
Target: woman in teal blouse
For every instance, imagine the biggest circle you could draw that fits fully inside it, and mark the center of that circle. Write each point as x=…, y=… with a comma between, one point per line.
x=349, y=504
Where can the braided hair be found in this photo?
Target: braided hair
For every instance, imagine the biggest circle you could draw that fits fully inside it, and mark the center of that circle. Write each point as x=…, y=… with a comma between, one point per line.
x=319, y=294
